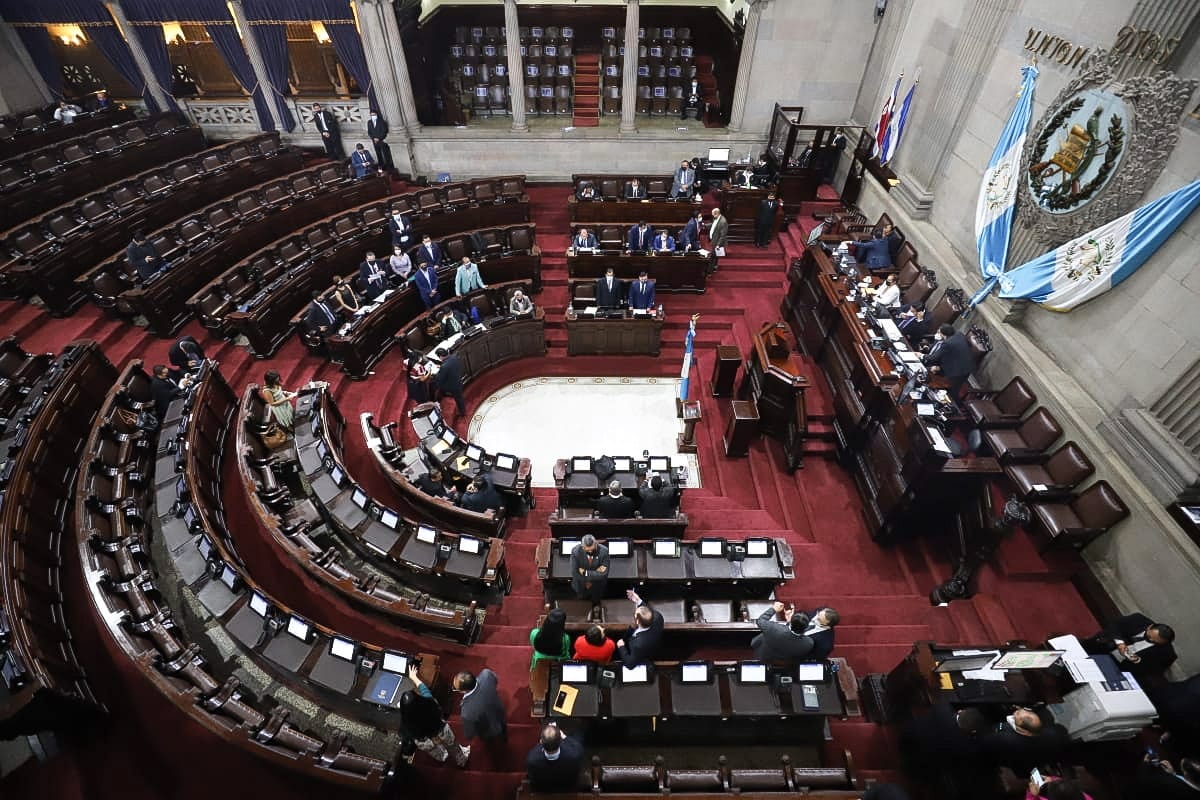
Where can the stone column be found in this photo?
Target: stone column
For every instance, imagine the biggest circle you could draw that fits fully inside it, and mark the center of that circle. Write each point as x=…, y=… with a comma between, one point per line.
x=737, y=108
x=375, y=48
x=256, y=61
x=399, y=61
x=139, y=56
x=516, y=67
x=13, y=43
x=629, y=71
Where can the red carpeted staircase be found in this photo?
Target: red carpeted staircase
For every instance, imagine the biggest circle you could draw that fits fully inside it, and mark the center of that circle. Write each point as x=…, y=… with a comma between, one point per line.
x=587, y=90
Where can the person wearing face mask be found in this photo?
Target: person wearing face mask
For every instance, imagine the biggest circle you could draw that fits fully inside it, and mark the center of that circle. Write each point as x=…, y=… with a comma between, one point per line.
x=343, y=299
x=400, y=226
x=951, y=356
x=693, y=102
x=371, y=279
x=377, y=129
x=401, y=266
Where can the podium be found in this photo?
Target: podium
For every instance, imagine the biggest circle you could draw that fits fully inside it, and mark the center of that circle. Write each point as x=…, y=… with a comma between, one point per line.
x=689, y=412
x=741, y=429
x=725, y=369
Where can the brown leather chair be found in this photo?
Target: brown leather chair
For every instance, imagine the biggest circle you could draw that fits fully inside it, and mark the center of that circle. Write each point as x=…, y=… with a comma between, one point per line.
x=948, y=308
x=277, y=194
x=317, y=238
x=657, y=188
x=455, y=248
x=520, y=240
x=762, y=780
x=126, y=196
x=456, y=195
x=697, y=780
x=1061, y=472
x=63, y=225
x=155, y=185
x=212, y=163
x=921, y=289
x=304, y=186
x=907, y=274
x=373, y=216
x=74, y=152
x=429, y=200
x=627, y=778
x=94, y=209
x=332, y=174
x=484, y=192
x=1078, y=521
x=907, y=254
x=185, y=172
x=512, y=188
x=44, y=164
x=1026, y=442
x=610, y=189
x=221, y=218
x=981, y=344
x=1002, y=409
x=611, y=238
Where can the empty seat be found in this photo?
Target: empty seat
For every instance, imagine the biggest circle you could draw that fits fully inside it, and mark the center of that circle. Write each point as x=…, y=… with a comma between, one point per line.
x=921, y=289
x=1058, y=474
x=1080, y=520
x=185, y=172
x=221, y=218
x=331, y=174
x=520, y=240
x=125, y=196
x=43, y=165
x=483, y=191
x=135, y=135
x=290, y=252
x=63, y=225
x=193, y=232
x=73, y=153
x=277, y=194
x=165, y=125
x=456, y=194
x=304, y=185
x=1002, y=409
x=248, y=205
x=155, y=185
x=30, y=240
x=212, y=163
x=93, y=210
x=345, y=227
x=1027, y=441
x=106, y=144
x=318, y=238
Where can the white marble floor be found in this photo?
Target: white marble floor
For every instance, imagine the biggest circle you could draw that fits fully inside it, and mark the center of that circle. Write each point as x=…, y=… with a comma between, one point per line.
x=545, y=419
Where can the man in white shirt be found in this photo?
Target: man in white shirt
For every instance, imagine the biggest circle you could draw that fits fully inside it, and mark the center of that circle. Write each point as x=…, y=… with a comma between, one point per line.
x=886, y=295
x=66, y=113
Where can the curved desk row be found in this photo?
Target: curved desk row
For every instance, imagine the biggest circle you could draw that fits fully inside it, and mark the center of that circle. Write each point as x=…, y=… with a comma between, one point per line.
x=19, y=371
x=306, y=665
x=491, y=304
x=672, y=272
x=53, y=250
x=22, y=135
x=455, y=572
x=45, y=686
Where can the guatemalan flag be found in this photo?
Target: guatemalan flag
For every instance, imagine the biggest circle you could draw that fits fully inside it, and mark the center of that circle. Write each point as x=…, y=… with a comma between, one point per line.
x=895, y=127
x=885, y=116
x=1092, y=264
x=998, y=192
x=687, y=358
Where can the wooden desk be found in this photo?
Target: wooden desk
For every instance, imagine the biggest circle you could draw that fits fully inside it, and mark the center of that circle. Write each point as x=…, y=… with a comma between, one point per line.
x=774, y=381
x=671, y=272
x=672, y=213
x=627, y=336
x=740, y=207
x=741, y=428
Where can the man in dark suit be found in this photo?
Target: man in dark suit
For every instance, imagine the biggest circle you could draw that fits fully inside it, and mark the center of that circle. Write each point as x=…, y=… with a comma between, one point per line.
x=450, y=379
x=427, y=285
x=143, y=257
x=584, y=240
x=765, y=221
x=589, y=569
x=782, y=641
x=400, y=226
x=873, y=253
x=480, y=495
x=1023, y=740
x=914, y=324
x=663, y=242
x=634, y=190
x=430, y=252
x=320, y=318
x=331, y=135
x=609, y=291
x=483, y=715
x=820, y=630
x=361, y=161
x=658, y=501
x=951, y=356
x=431, y=483
x=371, y=277
x=644, y=638
x=640, y=238
x=163, y=389
x=641, y=292
x=894, y=240
x=684, y=183
x=377, y=129
x=689, y=238
x=1141, y=646
x=186, y=355
x=615, y=505
x=554, y=763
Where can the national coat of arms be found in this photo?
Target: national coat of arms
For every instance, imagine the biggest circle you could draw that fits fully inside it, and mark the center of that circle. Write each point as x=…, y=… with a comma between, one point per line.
x=1089, y=136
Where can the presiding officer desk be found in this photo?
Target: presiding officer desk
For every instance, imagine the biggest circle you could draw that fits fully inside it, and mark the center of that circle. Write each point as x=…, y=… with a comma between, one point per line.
x=672, y=272
x=579, y=486
x=613, y=332
x=610, y=205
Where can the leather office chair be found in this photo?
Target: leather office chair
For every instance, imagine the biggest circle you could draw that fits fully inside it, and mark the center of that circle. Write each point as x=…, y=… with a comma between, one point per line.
x=240, y=152
x=318, y=238
x=429, y=200
x=697, y=780
x=562, y=99
x=1060, y=472
x=332, y=174
x=628, y=778
x=610, y=189
x=512, y=188
x=168, y=246
x=762, y=780
x=31, y=122
x=221, y=218
x=44, y=165
x=455, y=248
x=291, y=253
x=612, y=99
x=63, y=225
x=304, y=186
x=456, y=195
x=165, y=125
x=73, y=153
x=583, y=294
x=981, y=344
x=30, y=240
x=107, y=144
x=492, y=241
x=276, y=194
x=95, y=210
x=346, y=228
x=1027, y=441
x=136, y=135
x=248, y=206
x=1002, y=409
x=125, y=196
x=482, y=303
x=483, y=191
x=1081, y=520
x=193, y=232
x=907, y=274
x=948, y=308
x=373, y=217
x=611, y=237
x=520, y=240
x=212, y=163
x=185, y=172
x=920, y=290
x=155, y=185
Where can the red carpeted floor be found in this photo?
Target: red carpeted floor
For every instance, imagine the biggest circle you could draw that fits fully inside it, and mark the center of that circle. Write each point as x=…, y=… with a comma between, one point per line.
x=147, y=752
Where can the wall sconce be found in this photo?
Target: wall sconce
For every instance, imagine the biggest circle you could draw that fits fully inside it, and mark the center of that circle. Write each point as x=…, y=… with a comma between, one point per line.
x=880, y=8
x=173, y=33
x=70, y=35
x=318, y=29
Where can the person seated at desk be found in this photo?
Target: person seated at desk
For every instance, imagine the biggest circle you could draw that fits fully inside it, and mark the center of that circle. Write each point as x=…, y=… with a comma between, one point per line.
x=1056, y=788
x=584, y=240
x=520, y=305
x=615, y=505
x=589, y=569
x=594, y=646
x=401, y=267
x=944, y=735
x=684, y=184
x=914, y=324
x=186, y=355
x=164, y=390
x=143, y=257
x=609, y=291
x=894, y=239
x=639, y=238
x=467, y=278
x=664, y=242
x=481, y=496
x=343, y=299
x=658, y=501
x=430, y=252
x=873, y=253
x=782, y=641
x=1023, y=740
x=371, y=277
x=433, y=484
x=551, y=642
x=743, y=178
x=320, y=318
x=400, y=226
x=67, y=112
x=950, y=355
x=634, y=190
x=887, y=294
x=689, y=238
x=102, y=101
x=821, y=622
x=586, y=191
x=641, y=292
x=1157, y=779
x=644, y=638
x=361, y=162
x=1141, y=647
x=453, y=321
x=554, y=763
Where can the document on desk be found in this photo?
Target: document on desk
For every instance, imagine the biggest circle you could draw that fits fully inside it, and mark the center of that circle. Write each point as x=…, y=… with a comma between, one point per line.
x=890, y=330
x=939, y=441
x=926, y=409
x=985, y=674
x=450, y=343
x=1082, y=667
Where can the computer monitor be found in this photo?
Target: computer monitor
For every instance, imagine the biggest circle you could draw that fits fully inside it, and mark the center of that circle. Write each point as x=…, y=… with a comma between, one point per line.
x=536, y=32
x=638, y=674
x=322, y=450
x=660, y=91
x=394, y=662
x=475, y=452
x=965, y=663
x=359, y=498
x=622, y=464
x=549, y=50
x=811, y=673
x=685, y=52
x=259, y=604
x=694, y=672
x=718, y=154
x=481, y=91
x=608, y=33
x=758, y=547
x=666, y=548
x=660, y=464
x=752, y=673
x=336, y=473
x=674, y=72
x=489, y=49
x=229, y=577
x=531, y=69
x=204, y=546
x=389, y=518
x=1027, y=659
x=668, y=33
x=574, y=673
x=619, y=547
x=449, y=437
x=476, y=33
x=468, y=69
x=456, y=50
x=564, y=69
x=567, y=33
x=505, y=462
x=341, y=648
x=611, y=70
x=568, y=545
x=656, y=52
x=581, y=464
x=298, y=628
x=426, y=534
x=468, y=544
x=643, y=71
x=712, y=547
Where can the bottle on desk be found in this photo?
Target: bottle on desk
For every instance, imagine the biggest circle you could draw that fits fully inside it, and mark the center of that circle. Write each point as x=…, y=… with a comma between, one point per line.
x=660, y=311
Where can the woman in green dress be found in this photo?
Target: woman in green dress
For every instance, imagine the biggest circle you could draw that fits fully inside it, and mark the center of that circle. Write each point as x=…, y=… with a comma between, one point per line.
x=550, y=642
x=279, y=400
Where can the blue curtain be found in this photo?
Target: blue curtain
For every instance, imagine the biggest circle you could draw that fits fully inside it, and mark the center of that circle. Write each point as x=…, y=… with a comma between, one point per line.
x=109, y=42
x=37, y=44
x=228, y=44
x=272, y=43
x=324, y=10
x=349, y=49
x=155, y=47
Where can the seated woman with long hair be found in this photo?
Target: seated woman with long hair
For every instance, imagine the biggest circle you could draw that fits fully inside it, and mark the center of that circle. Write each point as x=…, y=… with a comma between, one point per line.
x=550, y=642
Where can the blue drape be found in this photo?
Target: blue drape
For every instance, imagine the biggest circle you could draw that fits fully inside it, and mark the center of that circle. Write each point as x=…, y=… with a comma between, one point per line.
x=37, y=44
x=109, y=42
x=155, y=47
x=230, y=47
x=349, y=49
x=324, y=10
x=272, y=43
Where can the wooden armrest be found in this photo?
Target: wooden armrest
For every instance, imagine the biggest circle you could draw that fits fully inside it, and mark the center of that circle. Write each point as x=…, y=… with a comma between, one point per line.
x=848, y=685
x=545, y=547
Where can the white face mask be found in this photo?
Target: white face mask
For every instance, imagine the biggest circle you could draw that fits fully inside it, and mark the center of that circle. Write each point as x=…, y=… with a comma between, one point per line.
x=938, y=337
x=373, y=118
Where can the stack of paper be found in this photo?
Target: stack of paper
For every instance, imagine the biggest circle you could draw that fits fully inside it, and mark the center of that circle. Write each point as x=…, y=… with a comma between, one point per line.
x=1081, y=666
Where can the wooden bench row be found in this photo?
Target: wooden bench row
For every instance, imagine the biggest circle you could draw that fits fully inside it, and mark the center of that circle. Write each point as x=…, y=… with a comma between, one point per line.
x=29, y=130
